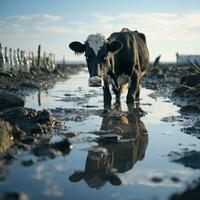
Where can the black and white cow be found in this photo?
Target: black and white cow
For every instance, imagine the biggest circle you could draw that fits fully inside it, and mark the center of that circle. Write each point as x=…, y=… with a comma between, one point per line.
x=121, y=60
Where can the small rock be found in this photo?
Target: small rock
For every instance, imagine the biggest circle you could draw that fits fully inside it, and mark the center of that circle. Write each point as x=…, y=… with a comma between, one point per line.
x=37, y=128
x=191, y=80
x=175, y=179
x=62, y=146
x=156, y=179
x=27, y=162
x=71, y=133
x=6, y=135
x=45, y=150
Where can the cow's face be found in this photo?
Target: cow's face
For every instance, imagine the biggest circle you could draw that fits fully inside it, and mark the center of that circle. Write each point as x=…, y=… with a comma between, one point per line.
x=96, y=50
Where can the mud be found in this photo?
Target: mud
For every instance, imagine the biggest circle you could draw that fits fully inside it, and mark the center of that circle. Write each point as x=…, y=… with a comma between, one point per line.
x=182, y=85
x=22, y=128
x=22, y=83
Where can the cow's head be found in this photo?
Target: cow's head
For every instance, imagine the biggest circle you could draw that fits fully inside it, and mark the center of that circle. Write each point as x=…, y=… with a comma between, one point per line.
x=96, y=49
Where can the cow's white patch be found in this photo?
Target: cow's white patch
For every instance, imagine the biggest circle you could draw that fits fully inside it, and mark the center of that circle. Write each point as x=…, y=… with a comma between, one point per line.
x=123, y=81
x=96, y=42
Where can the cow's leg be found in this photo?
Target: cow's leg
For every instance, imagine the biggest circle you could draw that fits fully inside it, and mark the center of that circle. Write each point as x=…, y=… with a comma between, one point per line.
x=133, y=88
x=137, y=95
x=117, y=94
x=140, y=75
x=106, y=95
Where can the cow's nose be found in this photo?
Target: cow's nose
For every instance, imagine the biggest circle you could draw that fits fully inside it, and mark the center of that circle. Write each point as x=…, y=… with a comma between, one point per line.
x=95, y=81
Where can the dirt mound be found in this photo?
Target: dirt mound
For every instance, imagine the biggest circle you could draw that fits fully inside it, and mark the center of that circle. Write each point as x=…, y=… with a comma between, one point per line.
x=8, y=100
x=6, y=135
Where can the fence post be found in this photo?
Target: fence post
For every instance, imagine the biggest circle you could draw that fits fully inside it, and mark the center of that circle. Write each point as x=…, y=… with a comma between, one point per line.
x=39, y=56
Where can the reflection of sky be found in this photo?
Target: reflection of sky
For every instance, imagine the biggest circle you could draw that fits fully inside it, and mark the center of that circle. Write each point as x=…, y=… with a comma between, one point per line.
x=144, y=177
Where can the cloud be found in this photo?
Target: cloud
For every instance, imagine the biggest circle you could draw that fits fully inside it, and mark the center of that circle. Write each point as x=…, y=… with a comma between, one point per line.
x=58, y=30
x=40, y=17
x=163, y=26
x=28, y=24
x=51, y=29
x=166, y=32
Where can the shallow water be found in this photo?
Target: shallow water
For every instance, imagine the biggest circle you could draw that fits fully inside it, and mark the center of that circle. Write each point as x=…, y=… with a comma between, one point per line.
x=127, y=168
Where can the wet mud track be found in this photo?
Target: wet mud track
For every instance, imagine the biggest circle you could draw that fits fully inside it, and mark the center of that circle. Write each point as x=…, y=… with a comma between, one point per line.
x=93, y=153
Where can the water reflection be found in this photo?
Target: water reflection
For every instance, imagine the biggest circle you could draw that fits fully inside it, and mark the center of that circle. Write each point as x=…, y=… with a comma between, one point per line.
x=111, y=156
x=39, y=98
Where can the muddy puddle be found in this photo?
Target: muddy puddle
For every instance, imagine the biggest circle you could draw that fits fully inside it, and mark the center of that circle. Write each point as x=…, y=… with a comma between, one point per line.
x=116, y=156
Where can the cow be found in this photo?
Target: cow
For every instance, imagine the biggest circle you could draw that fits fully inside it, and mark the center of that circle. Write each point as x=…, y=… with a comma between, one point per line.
x=108, y=158
x=120, y=61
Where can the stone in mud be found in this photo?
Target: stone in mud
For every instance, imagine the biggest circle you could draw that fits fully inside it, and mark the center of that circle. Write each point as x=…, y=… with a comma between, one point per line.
x=44, y=116
x=190, y=159
x=162, y=76
x=190, y=94
x=19, y=134
x=71, y=134
x=175, y=179
x=193, y=129
x=156, y=179
x=6, y=134
x=151, y=85
x=180, y=91
x=190, y=109
x=37, y=128
x=191, y=80
x=8, y=100
x=50, y=151
x=45, y=150
x=29, y=121
x=14, y=196
x=62, y=146
x=27, y=163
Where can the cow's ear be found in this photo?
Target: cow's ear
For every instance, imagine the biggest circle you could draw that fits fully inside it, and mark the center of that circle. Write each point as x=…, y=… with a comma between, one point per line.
x=114, y=46
x=114, y=179
x=76, y=177
x=77, y=47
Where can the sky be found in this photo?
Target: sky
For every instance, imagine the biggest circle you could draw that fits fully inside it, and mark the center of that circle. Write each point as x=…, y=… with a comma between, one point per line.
x=170, y=26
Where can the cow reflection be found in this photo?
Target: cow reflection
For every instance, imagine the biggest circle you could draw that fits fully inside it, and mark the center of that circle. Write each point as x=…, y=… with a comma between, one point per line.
x=110, y=157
